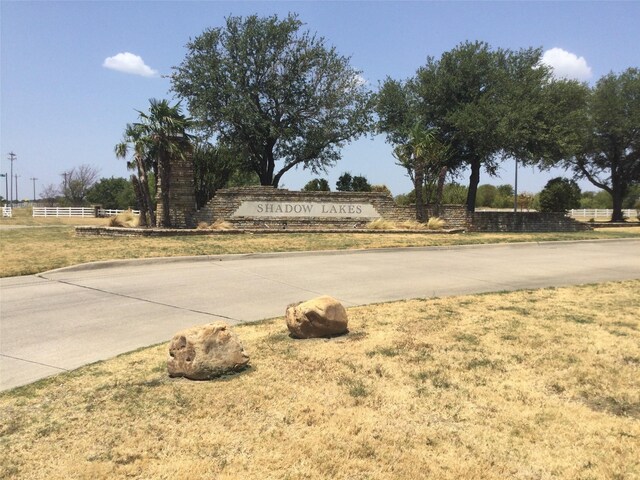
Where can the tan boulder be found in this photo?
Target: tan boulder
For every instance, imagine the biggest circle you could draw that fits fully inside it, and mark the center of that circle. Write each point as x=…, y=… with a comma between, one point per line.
x=319, y=317
x=205, y=352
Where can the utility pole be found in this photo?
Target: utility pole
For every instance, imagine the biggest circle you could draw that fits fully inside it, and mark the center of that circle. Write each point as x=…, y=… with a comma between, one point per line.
x=12, y=157
x=33, y=179
x=6, y=187
x=515, y=191
x=64, y=174
x=17, y=186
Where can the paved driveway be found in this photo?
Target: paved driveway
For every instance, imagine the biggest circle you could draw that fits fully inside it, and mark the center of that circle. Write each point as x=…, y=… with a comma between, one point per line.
x=63, y=319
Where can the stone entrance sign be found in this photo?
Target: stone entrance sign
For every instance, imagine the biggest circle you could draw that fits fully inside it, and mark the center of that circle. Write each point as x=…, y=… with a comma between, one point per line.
x=271, y=209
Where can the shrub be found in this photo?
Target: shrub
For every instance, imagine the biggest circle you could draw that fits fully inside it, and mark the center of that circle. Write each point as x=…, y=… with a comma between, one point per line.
x=317, y=185
x=435, y=223
x=124, y=220
x=221, y=225
x=559, y=195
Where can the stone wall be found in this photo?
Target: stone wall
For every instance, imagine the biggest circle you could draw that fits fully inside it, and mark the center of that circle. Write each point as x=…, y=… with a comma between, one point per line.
x=454, y=216
x=523, y=222
x=182, y=197
x=225, y=205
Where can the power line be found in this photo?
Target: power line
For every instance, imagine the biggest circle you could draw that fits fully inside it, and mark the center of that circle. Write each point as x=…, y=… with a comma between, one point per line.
x=16, y=177
x=12, y=157
x=33, y=179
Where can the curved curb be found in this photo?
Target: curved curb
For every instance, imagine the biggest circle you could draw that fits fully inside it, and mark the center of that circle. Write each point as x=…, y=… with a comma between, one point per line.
x=103, y=264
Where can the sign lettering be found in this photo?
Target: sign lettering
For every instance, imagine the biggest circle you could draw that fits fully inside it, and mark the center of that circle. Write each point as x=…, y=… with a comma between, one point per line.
x=269, y=209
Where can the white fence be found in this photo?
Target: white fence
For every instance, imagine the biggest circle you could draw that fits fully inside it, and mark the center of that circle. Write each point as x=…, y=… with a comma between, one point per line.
x=64, y=212
x=7, y=212
x=77, y=212
x=102, y=212
x=600, y=213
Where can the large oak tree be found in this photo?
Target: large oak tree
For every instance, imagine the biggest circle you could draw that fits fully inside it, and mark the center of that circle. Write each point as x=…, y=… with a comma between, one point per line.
x=485, y=105
x=608, y=154
x=277, y=96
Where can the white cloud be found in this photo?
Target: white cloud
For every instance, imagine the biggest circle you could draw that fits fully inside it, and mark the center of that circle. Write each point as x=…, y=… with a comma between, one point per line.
x=361, y=80
x=129, y=63
x=567, y=65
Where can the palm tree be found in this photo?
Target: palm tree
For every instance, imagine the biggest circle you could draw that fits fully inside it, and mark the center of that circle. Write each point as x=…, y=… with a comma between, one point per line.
x=159, y=138
x=140, y=161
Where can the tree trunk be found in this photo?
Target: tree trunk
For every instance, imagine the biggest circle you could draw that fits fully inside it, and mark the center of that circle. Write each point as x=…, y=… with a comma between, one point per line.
x=617, y=195
x=142, y=222
x=276, y=180
x=440, y=190
x=143, y=181
x=418, y=181
x=474, y=180
x=268, y=167
x=265, y=178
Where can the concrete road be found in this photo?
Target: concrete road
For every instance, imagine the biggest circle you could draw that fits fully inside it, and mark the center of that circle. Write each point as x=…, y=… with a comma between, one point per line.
x=66, y=318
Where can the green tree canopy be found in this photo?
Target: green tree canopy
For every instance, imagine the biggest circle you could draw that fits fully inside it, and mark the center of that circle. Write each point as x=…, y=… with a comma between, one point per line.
x=317, y=185
x=113, y=193
x=609, y=151
x=418, y=146
x=486, y=196
x=559, y=195
x=486, y=104
x=489, y=104
x=348, y=183
x=599, y=199
x=277, y=95
x=344, y=182
x=452, y=194
x=216, y=167
x=425, y=159
x=632, y=198
x=494, y=197
x=360, y=184
x=505, y=190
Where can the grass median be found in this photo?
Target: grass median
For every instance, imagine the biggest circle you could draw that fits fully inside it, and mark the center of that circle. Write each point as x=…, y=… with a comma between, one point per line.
x=528, y=384
x=34, y=249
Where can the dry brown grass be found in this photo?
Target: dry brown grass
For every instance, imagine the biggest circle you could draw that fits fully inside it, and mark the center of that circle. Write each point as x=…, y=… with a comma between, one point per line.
x=217, y=225
x=125, y=219
x=23, y=217
x=434, y=223
x=527, y=385
x=221, y=225
x=37, y=249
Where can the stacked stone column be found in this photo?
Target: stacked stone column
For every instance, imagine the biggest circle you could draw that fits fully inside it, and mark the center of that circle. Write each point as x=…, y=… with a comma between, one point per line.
x=182, y=197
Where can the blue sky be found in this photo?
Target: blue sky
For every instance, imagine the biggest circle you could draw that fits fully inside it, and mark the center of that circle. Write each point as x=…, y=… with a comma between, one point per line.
x=61, y=107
